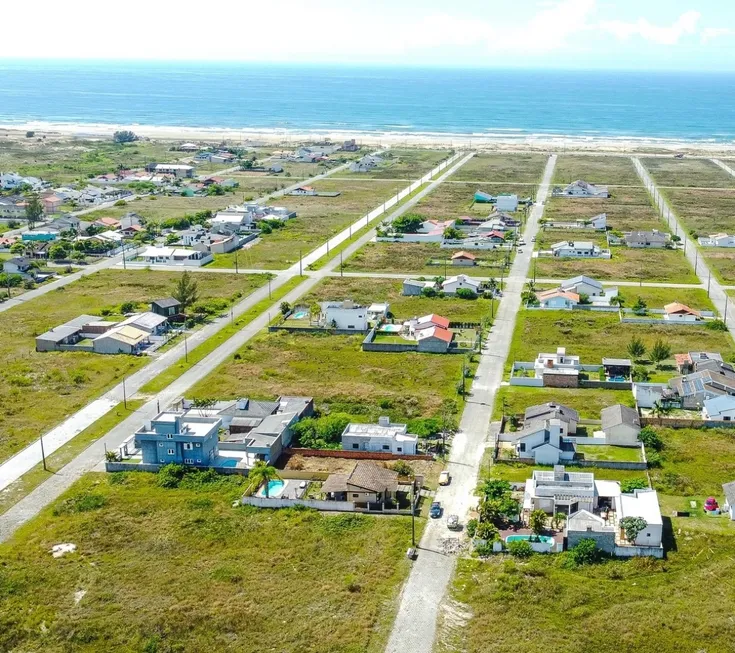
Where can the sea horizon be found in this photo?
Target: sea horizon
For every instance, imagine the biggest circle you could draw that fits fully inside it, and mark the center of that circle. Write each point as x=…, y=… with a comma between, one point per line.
x=512, y=104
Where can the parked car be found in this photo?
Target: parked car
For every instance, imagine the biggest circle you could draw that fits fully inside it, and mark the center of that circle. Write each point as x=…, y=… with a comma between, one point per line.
x=520, y=251
x=444, y=478
x=436, y=510
x=453, y=523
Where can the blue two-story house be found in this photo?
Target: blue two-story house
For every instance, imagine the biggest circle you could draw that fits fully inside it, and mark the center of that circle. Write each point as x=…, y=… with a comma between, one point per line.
x=173, y=437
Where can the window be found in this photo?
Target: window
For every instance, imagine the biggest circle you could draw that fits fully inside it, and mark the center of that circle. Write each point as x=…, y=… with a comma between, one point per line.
x=170, y=436
x=199, y=444
x=386, y=446
x=355, y=496
x=170, y=452
x=160, y=444
x=187, y=446
x=522, y=447
x=355, y=445
x=399, y=449
x=199, y=460
x=188, y=461
x=726, y=418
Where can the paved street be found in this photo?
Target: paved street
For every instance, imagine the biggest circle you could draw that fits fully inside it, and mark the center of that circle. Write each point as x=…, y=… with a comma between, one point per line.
x=415, y=626
x=92, y=456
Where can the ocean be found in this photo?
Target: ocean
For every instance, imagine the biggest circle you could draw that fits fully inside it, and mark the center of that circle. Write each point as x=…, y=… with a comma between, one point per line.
x=503, y=103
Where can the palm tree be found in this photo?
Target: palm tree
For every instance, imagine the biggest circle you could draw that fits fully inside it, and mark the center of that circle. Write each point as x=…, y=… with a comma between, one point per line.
x=263, y=474
x=660, y=410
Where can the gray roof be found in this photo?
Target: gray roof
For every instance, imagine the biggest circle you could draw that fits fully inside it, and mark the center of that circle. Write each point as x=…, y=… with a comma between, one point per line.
x=252, y=408
x=550, y=410
x=58, y=334
x=413, y=282
x=729, y=490
x=580, y=279
x=619, y=362
x=166, y=302
x=618, y=414
x=146, y=321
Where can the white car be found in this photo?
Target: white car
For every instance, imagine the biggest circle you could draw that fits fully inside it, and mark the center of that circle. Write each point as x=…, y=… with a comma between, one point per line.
x=444, y=478
x=520, y=251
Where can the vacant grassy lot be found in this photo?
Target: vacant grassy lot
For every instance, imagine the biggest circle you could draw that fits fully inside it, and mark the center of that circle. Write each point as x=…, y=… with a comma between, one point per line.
x=39, y=390
x=700, y=173
x=318, y=219
x=414, y=258
x=603, y=170
x=160, y=207
x=504, y=169
x=721, y=263
x=703, y=211
x=145, y=553
x=594, y=336
x=683, y=603
x=628, y=209
x=338, y=374
x=399, y=163
x=369, y=291
x=452, y=201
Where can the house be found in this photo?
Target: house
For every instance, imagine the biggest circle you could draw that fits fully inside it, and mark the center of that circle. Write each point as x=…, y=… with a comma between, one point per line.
x=692, y=390
x=149, y=322
x=677, y=312
x=175, y=256
x=12, y=180
x=557, y=298
x=506, y=202
x=384, y=437
x=581, y=188
x=12, y=207
x=717, y=240
x=131, y=231
x=51, y=204
x=464, y=258
x=729, y=491
x=427, y=322
x=598, y=222
x=107, y=223
x=646, y=239
x=617, y=369
x=415, y=287
x=578, y=249
x=434, y=339
x=643, y=503
x=583, y=285
x=130, y=219
x=173, y=437
x=344, y=315
x=178, y=170
x=166, y=307
x=552, y=410
x=452, y=284
x=275, y=168
x=366, y=163
x=545, y=442
x=567, y=492
x=377, y=312
x=621, y=425
x=120, y=340
x=484, y=198
x=696, y=361
x=350, y=146
x=17, y=265
x=720, y=409
x=557, y=369
x=367, y=485
x=303, y=190
x=188, y=147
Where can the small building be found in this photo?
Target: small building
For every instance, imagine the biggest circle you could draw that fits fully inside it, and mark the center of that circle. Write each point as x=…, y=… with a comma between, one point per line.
x=167, y=307
x=583, y=285
x=350, y=146
x=721, y=409
x=677, y=312
x=178, y=170
x=415, y=287
x=344, y=315
x=729, y=491
x=275, y=168
x=173, y=437
x=377, y=312
x=545, y=441
x=558, y=370
x=434, y=340
x=646, y=239
x=120, y=340
x=557, y=298
x=578, y=249
x=149, y=322
x=553, y=411
x=621, y=425
x=581, y=188
x=383, y=437
x=367, y=485
x=17, y=265
x=427, y=322
x=304, y=190
x=107, y=223
x=464, y=258
x=452, y=284
x=717, y=240
x=617, y=369
x=176, y=256
x=51, y=204
x=506, y=202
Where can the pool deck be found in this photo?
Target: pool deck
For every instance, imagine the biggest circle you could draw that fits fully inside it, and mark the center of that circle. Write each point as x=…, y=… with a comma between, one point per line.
x=557, y=535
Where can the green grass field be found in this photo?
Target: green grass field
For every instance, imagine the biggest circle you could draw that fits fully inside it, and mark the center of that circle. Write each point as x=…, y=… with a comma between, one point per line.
x=504, y=169
x=704, y=211
x=456, y=200
x=318, y=219
x=160, y=207
x=513, y=400
x=700, y=173
x=415, y=258
x=603, y=170
x=39, y=390
x=368, y=291
x=182, y=570
x=403, y=163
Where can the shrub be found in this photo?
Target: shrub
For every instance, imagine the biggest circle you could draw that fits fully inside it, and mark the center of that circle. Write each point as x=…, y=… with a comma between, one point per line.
x=484, y=550
x=651, y=439
x=633, y=484
x=654, y=460
x=402, y=467
x=465, y=293
x=487, y=531
x=520, y=549
x=716, y=325
x=471, y=527
x=584, y=553
x=424, y=427
x=169, y=476
x=128, y=307
x=632, y=527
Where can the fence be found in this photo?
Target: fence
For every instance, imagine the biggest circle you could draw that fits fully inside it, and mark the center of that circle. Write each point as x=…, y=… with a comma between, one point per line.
x=146, y=467
x=685, y=423
x=355, y=455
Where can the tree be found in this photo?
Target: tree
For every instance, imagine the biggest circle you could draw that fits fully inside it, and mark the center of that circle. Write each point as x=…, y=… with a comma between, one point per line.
x=186, y=291
x=203, y=404
x=124, y=136
x=493, y=489
x=537, y=521
x=660, y=410
x=429, y=292
x=618, y=300
x=660, y=351
x=636, y=348
x=447, y=412
x=558, y=519
x=34, y=210
x=452, y=233
x=58, y=251
x=321, y=432
x=285, y=308
x=262, y=474
x=640, y=307
x=584, y=299
x=403, y=468
x=465, y=293
x=641, y=374
x=408, y=223
x=632, y=526
x=651, y=439
x=487, y=531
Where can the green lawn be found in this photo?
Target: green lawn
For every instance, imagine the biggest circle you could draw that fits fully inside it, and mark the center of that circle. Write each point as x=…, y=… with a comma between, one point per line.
x=368, y=291
x=233, y=577
x=338, y=374
x=415, y=258
x=39, y=390
x=703, y=211
x=700, y=173
x=602, y=170
x=318, y=219
x=609, y=453
x=721, y=263
x=504, y=169
x=457, y=200
x=403, y=163
x=160, y=207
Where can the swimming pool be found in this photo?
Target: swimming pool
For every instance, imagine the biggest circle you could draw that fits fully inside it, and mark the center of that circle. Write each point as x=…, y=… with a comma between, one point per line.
x=299, y=316
x=274, y=489
x=545, y=539
x=391, y=328
x=228, y=462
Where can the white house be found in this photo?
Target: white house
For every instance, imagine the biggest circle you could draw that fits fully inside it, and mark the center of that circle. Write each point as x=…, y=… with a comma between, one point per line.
x=178, y=170
x=344, y=315
x=583, y=286
x=643, y=504
x=383, y=437
x=557, y=298
x=646, y=239
x=506, y=202
x=677, y=312
x=599, y=222
x=556, y=363
x=621, y=425
x=175, y=256
x=546, y=442
x=578, y=249
x=451, y=285
x=729, y=507
x=581, y=188
x=717, y=240
x=377, y=312
x=567, y=492
x=120, y=340
x=415, y=287
x=720, y=408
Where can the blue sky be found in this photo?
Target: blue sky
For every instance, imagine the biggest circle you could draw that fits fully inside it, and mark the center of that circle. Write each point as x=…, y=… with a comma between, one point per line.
x=598, y=34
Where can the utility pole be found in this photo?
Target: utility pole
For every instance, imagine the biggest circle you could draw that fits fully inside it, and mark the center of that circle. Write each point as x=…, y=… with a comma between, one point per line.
x=237, y=270
x=726, y=298
x=43, y=454
x=413, y=511
x=709, y=278
x=125, y=393
x=341, y=270
x=186, y=349
x=301, y=268
x=269, y=287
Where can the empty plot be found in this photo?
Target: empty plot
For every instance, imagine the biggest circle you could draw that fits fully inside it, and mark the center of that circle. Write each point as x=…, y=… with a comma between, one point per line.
x=702, y=173
x=601, y=170
x=399, y=163
x=503, y=169
x=703, y=211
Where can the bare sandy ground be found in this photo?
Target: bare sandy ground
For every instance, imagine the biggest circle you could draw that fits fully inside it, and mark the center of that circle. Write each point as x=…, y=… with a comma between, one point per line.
x=498, y=142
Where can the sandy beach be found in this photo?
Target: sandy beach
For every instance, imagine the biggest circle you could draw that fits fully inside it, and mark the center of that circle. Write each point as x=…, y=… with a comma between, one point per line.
x=482, y=141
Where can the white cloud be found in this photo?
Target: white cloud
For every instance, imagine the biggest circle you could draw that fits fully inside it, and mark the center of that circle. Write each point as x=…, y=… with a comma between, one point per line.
x=666, y=35
x=710, y=33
